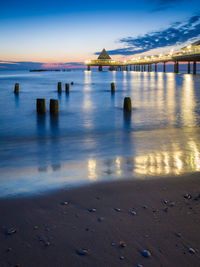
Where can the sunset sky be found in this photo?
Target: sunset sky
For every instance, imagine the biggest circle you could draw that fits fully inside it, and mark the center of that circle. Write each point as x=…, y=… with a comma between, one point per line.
x=71, y=32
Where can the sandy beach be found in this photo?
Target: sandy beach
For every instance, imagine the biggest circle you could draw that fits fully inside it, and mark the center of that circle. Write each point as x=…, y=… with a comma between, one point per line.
x=110, y=223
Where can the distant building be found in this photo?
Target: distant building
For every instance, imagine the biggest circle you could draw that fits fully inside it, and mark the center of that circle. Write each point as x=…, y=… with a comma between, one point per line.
x=104, y=55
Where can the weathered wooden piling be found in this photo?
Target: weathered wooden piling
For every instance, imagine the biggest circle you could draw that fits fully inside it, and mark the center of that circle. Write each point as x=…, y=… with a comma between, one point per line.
x=112, y=88
x=16, y=90
x=54, y=108
x=127, y=104
x=59, y=87
x=41, y=105
x=67, y=88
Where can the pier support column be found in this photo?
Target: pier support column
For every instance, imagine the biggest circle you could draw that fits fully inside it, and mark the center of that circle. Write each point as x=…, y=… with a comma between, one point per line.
x=164, y=66
x=142, y=68
x=176, y=67
x=126, y=68
x=188, y=67
x=150, y=67
x=100, y=68
x=88, y=68
x=155, y=67
x=194, y=67
x=130, y=68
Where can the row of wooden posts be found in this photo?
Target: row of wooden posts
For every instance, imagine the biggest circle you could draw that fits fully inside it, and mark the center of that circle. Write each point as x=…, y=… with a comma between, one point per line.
x=54, y=106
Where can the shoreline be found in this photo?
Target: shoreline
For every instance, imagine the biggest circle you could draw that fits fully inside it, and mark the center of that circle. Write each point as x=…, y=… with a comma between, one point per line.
x=51, y=228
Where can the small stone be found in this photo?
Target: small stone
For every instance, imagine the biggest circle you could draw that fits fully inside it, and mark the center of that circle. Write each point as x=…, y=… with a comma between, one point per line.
x=64, y=203
x=87, y=229
x=117, y=209
x=9, y=249
x=47, y=244
x=82, y=252
x=11, y=231
x=187, y=196
x=122, y=258
x=100, y=219
x=133, y=212
x=165, y=209
x=166, y=201
x=178, y=234
x=92, y=210
x=144, y=207
x=35, y=227
x=192, y=251
x=113, y=244
x=72, y=83
x=122, y=244
x=172, y=204
x=139, y=265
x=146, y=253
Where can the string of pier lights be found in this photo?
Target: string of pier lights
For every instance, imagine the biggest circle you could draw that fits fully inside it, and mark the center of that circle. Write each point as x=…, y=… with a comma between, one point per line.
x=188, y=50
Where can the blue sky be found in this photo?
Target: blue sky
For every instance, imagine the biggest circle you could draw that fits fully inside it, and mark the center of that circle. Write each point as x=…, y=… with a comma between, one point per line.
x=73, y=31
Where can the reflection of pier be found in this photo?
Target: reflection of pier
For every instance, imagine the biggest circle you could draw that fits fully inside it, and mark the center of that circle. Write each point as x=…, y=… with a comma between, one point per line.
x=189, y=54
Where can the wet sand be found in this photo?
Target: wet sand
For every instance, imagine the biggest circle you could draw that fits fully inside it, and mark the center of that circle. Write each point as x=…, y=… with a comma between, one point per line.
x=49, y=232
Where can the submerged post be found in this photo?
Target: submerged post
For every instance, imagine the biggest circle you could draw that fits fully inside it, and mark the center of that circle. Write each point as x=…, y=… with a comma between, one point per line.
x=16, y=90
x=41, y=105
x=127, y=104
x=176, y=67
x=67, y=88
x=88, y=68
x=100, y=68
x=194, y=67
x=59, y=87
x=112, y=88
x=155, y=67
x=54, y=107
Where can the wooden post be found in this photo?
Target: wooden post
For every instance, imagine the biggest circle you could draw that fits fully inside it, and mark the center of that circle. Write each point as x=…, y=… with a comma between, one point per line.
x=41, y=105
x=54, y=107
x=67, y=88
x=100, y=68
x=112, y=88
x=16, y=90
x=59, y=87
x=127, y=104
x=155, y=67
x=88, y=67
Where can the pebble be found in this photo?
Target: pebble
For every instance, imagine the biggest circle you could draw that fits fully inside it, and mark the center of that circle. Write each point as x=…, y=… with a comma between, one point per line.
x=187, y=196
x=122, y=244
x=113, y=244
x=146, y=253
x=35, y=227
x=11, y=231
x=64, y=203
x=192, y=251
x=72, y=83
x=100, y=219
x=117, y=209
x=178, y=234
x=165, y=209
x=166, y=201
x=82, y=252
x=139, y=265
x=92, y=210
x=144, y=207
x=172, y=204
x=122, y=258
x=9, y=249
x=47, y=244
x=133, y=212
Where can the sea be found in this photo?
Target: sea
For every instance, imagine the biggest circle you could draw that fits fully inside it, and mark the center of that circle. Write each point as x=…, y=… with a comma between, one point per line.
x=92, y=139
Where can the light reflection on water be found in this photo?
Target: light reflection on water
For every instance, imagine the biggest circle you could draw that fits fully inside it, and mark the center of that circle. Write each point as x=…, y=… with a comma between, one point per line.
x=92, y=139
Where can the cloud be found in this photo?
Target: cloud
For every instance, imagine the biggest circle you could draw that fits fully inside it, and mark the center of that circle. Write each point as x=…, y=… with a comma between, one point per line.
x=165, y=4
x=12, y=65
x=178, y=33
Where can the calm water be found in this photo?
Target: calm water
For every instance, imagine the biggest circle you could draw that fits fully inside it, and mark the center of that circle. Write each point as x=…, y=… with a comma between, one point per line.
x=92, y=139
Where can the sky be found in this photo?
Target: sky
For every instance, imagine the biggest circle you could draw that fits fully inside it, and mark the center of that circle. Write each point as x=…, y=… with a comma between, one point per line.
x=35, y=34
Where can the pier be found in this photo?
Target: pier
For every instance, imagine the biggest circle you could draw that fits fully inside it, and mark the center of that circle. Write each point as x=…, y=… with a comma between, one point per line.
x=189, y=55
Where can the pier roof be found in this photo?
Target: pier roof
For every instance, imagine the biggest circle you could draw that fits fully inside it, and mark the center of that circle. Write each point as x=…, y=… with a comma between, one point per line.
x=104, y=55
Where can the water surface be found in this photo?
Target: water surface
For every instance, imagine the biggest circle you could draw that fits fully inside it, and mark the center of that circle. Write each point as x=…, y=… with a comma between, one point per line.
x=92, y=139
